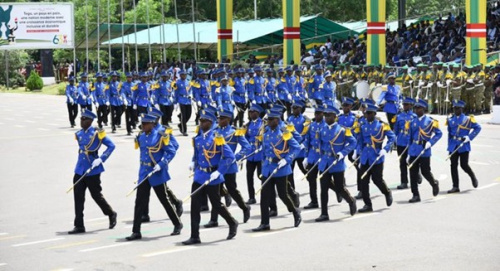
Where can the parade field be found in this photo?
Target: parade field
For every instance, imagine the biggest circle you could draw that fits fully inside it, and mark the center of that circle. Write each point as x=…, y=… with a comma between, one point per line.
x=448, y=232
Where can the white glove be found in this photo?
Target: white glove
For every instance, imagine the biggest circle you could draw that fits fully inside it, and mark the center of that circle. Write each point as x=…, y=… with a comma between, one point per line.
x=305, y=163
x=232, y=102
x=134, y=107
x=198, y=103
x=282, y=163
x=378, y=85
x=215, y=175
x=428, y=145
x=157, y=168
x=176, y=107
x=125, y=102
x=107, y=103
x=313, y=102
x=466, y=139
x=355, y=155
x=340, y=156
x=297, y=94
x=96, y=162
x=439, y=84
x=430, y=84
x=171, y=100
x=411, y=81
x=448, y=82
x=382, y=153
x=71, y=100
x=421, y=83
x=254, y=102
x=289, y=96
x=302, y=146
x=191, y=166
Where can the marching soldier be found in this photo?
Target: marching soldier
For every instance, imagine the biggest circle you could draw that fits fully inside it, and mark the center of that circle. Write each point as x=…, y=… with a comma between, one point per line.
x=479, y=89
x=301, y=125
x=270, y=86
x=71, y=99
x=164, y=97
x=256, y=89
x=312, y=144
x=289, y=84
x=369, y=147
x=128, y=103
x=355, y=159
x=202, y=93
x=299, y=93
x=350, y=77
x=458, y=78
x=253, y=133
x=402, y=132
x=89, y=168
x=155, y=154
x=239, y=97
x=336, y=143
x=224, y=94
x=280, y=149
x=489, y=80
x=211, y=160
x=328, y=89
x=182, y=97
x=233, y=138
x=314, y=83
x=462, y=130
x=116, y=100
x=85, y=98
x=468, y=94
x=100, y=92
x=141, y=95
x=424, y=133
x=407, y=82
x=392, y=95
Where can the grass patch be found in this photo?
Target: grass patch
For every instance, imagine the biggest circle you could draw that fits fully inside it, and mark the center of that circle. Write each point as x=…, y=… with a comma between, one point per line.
x=47, y=90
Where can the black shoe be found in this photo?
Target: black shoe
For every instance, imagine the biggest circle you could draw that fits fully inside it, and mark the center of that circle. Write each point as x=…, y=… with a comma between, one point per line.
x=204, y=208
x=454, y=190
x=359, y=195
x=145, y=219
x=184, y=134
x=414, y=199
x=112, y=220
x=192, y=241
x=435, y=189
x=262, y=227
x=339, y=197
x=365, y=209
x=322, y=218
x=72, y=126
x=211, y=224
x=246, y=214
x=474, y=182
x=77, y=230
x=273, y=213
x=296, y=199
x=119, y=126
x=388, y=198
x=311, y=205
x=228, y=200
x=419, y=181
x=113, y=130
x=105, y=124
x=403, y=186
x=134, y=236
x=179, y=209
x=251, y=201
x=129, y=133
x=177, y=229
x=297, y=218
x=232, y=231
x=353, y=208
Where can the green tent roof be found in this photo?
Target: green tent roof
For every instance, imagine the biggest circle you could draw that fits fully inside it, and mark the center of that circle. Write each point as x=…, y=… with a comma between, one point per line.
x=114, y=29
x=252, y=33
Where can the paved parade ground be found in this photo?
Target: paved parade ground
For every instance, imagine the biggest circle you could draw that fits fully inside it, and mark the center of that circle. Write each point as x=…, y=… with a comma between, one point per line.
x=39, y=152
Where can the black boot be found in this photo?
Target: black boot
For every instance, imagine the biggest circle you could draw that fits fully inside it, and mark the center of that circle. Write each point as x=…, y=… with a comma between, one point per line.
x=251, y=201
x=359, y=195
x=228, y=200
x=177, y=229
x=365, y=209
x=233, y=229
x=435, y=188
x=388, y=198
x=403, y=186
x=454, y=190
x=414, y=199
x=273, y=213
x=192, y=241
x=339, y=197
x=352, y=207
x=246, y=214
x=178, y=208
x=145, y=219
x=262, y=227
x=474, y=181
x=297, y=218
x=112, y=220
x=134, y=236
x=211, y=224
x=77, y=230
x=311, y=205
x=296, y=199
x=322, y=218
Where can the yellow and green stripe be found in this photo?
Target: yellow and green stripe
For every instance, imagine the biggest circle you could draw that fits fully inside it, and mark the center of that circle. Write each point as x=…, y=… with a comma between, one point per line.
x=475, y=38
x=224, y=29
x=375, y=32
x=291, y=31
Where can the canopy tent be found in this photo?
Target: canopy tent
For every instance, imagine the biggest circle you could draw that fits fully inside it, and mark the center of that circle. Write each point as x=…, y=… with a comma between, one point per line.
x=115, y=30
x=247, y=34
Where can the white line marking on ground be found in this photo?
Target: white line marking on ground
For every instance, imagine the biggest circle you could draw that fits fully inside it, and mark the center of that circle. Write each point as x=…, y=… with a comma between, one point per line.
x=168, y=251
x=272, y=232
x=29, y=121
x=479, y=163
x=3, y=264
x=487, y=186
x=104, y=247
x=358, y=216
x=438, y=198
x=38, y=242
x=3, y=233
x=19, y=126
x=43, y=129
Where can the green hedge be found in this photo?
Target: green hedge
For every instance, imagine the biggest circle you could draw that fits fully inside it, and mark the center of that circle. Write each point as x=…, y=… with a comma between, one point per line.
x=34, y=82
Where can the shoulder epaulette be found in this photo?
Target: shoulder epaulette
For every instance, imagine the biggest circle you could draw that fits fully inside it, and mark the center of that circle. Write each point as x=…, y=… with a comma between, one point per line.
x=435, y=123
x=393, y=120
x=240, y=131
x=386, y=126
x=217, y=90
x=168, y=130
x=101, y=133
x=286, y=134
x=166, y=139
x=472, y=119
x=290, y=128
x=219, y=140
x=251, y=81
x=197, y=130
x=348, y=132
x=283, y=79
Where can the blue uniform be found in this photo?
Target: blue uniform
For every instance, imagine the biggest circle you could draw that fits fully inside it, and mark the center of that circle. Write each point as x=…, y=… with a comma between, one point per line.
x=328, y=91
x=224, y=100
x=422, y=131
x=283, y=89
x=314, y=87
x=182, y=91
x=370, y=139
x=127, y=92
x=253, y=135
x=114, y=93
x=301, y=126
x=276, y=146
x=239, y=90
x=458, y=128
x=300, y=89
x=211, y=153
x=270, y=85
x=256, y=90
x=71, y=92
x=312, y=141
x=234, y=138
x=392, y=95
x=402, y=126
x=100, y=93
x=335, y=139
x=89, y=143
x=141, y=94
x=163, y=93
x=155, y=149
x=84, y=94
x=201, y=92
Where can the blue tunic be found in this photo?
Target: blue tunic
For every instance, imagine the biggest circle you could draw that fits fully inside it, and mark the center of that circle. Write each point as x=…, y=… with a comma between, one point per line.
x=89, y=143
x=458, y=128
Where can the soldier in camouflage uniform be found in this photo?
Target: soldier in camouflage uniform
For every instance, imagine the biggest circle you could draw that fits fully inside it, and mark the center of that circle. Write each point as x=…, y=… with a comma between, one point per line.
x=479, y=89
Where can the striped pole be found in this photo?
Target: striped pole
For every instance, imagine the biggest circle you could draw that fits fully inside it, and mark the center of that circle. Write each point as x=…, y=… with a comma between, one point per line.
x=224, y=29
x=291, y=31
x=475, y=39
x=375, y=10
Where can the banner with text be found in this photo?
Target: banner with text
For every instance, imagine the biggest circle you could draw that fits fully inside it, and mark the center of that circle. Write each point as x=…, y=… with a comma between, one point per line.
x=36, y=26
